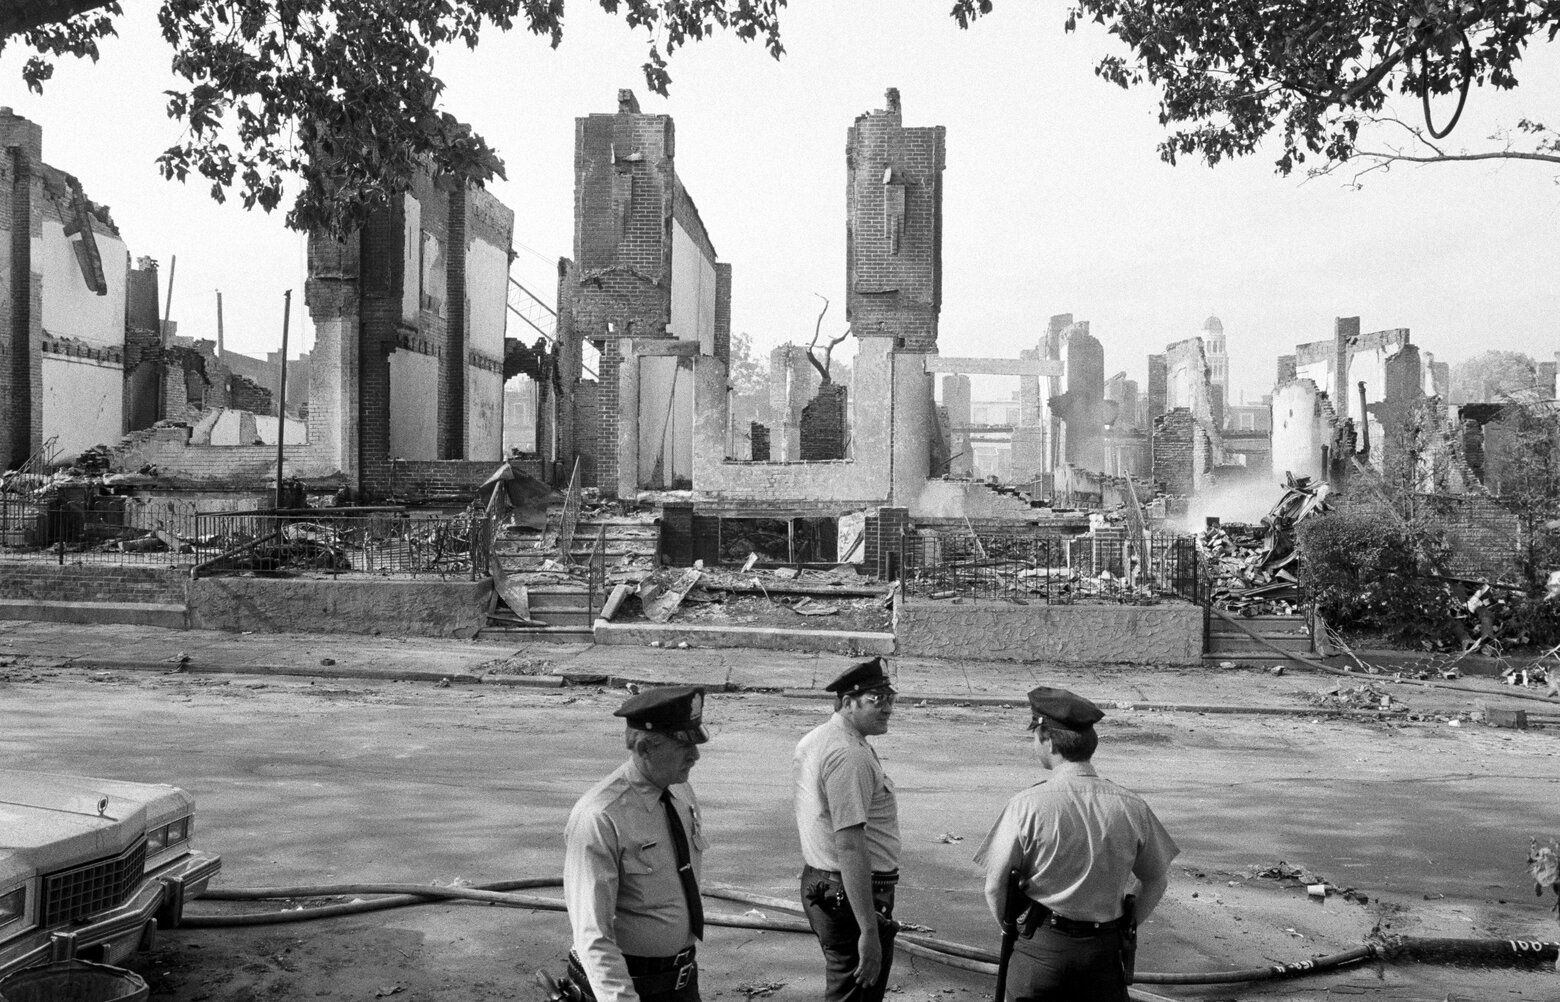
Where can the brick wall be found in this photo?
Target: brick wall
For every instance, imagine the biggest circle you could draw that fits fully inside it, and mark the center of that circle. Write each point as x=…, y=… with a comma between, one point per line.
x=1158, y=386
x=882, y=540
x=758, y=439
x=894, y=228
x=21, y=289
x=1483, y=536
x=356, y=293
x=625, y=189
x=1174, y=447
x=723, y=313
x=452, y=360
x=823, y=425
x=248, y=395
x=1084, y=410
x=238, y=467
x=422, y=478
x=96, y=583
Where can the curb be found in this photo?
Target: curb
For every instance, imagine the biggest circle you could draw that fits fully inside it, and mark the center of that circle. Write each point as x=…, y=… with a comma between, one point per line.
x=1008, y=702
x=585, y=679
x=318, y=671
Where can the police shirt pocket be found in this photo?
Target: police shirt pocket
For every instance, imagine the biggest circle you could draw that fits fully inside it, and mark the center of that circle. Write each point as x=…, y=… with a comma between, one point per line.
x=636, y=859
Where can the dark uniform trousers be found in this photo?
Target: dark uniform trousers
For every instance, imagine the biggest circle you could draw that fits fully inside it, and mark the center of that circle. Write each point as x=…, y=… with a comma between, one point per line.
x=1057, y=966
x=656, y=979
x=829, y=914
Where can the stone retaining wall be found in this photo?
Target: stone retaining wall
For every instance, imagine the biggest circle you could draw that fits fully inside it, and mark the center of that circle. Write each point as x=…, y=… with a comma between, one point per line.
x=418, y=607
x=1171, y=633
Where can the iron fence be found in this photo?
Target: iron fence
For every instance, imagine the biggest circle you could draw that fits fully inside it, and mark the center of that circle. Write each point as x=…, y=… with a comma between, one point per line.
x=1029, y=569
x=84, y=528
x=345, y=541
x=77, y=527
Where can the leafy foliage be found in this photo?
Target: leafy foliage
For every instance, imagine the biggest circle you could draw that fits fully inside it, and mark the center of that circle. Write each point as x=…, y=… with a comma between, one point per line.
x=1363, y=569
x=341, y=94
x=1522, y=468
x=1492, y=376
x=1309, y=72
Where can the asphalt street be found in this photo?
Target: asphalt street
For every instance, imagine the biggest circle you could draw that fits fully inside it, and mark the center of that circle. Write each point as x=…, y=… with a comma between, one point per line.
x=304, y=780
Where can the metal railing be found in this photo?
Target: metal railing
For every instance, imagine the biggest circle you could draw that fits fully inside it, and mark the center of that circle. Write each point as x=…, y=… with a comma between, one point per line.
x=85, y=529
x=596, y=574
x=345, y=541
x=1027, y=569
x=569, y=520
x=75, y=527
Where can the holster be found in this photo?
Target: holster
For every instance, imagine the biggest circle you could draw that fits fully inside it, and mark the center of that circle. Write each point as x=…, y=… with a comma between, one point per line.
x=1030, y=919
x=1129, y=938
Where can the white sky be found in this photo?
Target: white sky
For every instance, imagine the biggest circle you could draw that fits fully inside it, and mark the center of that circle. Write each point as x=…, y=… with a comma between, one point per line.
x=1055, y=200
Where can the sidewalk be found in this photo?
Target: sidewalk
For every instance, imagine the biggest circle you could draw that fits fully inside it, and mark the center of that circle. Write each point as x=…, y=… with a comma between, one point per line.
x=1251, y=688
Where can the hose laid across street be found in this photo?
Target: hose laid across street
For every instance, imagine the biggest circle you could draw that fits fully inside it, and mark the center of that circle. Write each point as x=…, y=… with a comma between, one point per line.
x=1322, y=666
x=946, y=952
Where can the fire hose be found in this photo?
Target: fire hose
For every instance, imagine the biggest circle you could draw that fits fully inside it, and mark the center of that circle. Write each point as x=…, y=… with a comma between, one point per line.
x=1322, y=666
x=950, y=954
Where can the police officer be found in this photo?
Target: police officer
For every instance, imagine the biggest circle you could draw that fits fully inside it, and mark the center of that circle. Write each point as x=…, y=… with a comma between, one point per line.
x=1080, y=844
x=848, y=821
x=631, y=861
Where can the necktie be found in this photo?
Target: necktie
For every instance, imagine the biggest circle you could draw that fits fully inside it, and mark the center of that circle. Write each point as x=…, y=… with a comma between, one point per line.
x=690, y=883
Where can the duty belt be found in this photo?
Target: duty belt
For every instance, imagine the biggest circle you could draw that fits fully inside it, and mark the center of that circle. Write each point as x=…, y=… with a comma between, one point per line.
x=655, y=975
x=1077, y=927
x=880, y=878
x=651, y=975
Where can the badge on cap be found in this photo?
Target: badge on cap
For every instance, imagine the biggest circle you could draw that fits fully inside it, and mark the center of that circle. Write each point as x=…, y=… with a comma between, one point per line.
x=861, y=677
x=673, y=710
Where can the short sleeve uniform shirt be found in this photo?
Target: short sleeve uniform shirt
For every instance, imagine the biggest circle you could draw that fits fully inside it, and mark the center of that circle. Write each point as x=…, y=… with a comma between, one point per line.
x=620, y=878
x=1079, y=840
x=839, y=784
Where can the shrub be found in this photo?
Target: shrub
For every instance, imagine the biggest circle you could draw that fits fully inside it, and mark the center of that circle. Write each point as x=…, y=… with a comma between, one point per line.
x=1363, y=569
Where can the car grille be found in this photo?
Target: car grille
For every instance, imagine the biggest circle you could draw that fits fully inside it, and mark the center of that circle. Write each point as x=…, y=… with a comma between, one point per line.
x=72, y=894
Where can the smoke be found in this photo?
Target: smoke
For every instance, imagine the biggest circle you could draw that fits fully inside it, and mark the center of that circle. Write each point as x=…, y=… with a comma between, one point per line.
x=1244, y=503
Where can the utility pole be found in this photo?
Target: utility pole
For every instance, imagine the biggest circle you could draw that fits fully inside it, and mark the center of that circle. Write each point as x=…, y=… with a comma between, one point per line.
x=219, y=325
x=173, y=266
x=281, y=405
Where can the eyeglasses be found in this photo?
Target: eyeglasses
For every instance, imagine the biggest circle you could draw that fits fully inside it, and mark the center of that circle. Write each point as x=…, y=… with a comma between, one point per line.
x=879, y=698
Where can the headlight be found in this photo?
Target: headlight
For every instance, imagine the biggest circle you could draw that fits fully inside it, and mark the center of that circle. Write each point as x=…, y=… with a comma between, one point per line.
x=168, y=835
x=13, y=905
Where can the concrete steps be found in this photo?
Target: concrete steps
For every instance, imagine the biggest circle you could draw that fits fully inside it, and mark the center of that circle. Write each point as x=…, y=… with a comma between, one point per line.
x=563, y=610
x=546, y=634
x=624, y=538
x=1288, y=633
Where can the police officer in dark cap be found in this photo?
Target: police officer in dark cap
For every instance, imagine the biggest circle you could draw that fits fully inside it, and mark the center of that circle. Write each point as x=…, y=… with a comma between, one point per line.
x=848, y=821
x=1091, y=861
x=633, y=848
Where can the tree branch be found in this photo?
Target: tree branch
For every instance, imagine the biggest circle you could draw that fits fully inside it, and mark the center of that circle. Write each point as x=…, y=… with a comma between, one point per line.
x=1553, y=158
x=25, y=15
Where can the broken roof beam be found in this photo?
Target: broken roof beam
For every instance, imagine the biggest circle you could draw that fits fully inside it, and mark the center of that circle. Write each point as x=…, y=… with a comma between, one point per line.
x=995, y=366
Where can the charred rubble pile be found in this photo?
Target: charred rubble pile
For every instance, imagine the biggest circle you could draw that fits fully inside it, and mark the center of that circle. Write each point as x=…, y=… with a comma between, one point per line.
x=1255, y=568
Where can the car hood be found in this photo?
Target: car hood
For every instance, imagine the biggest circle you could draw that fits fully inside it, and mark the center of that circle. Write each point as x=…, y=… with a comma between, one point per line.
x=50, y=820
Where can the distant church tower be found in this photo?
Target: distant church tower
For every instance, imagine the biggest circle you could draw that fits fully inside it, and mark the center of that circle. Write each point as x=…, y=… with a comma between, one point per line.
x=1218, y=357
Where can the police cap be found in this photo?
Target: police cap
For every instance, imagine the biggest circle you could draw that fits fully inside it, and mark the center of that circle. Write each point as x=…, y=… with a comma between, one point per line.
x=862, y=677
x=1067, y=709
x=674, y=710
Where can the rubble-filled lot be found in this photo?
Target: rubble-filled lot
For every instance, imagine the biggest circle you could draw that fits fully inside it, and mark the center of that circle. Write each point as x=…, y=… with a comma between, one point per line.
x=1418, y=829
